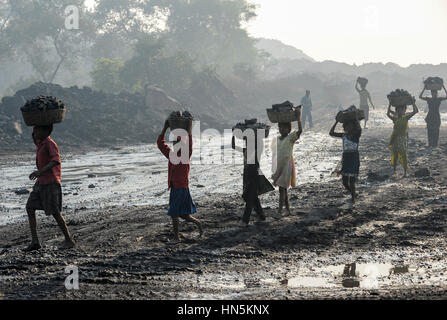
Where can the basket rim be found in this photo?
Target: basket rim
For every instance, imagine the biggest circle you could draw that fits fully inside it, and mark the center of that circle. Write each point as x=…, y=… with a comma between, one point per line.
x=40, y=117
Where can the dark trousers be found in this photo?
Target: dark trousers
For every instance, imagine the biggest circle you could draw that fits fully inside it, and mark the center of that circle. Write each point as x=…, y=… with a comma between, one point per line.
x=433, y=135
x=250, y=194
x=307, y=113
x=252, y=202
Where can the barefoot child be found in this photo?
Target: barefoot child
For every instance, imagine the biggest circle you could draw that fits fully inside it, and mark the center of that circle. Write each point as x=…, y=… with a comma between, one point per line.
x=181, y=204
x=433, y=118
x=365, y=97
x=351, y=158
x=47, y=192
x=399, y=137
x=254, y=183
x=284, y=174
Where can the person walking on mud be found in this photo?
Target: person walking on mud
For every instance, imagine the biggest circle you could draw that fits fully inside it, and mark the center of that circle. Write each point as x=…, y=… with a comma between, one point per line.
x=433, y=118
x=306, y=103
x=284, y=174
x=47, y=191
x=351, y=158
x=399, y=137
x=181, y=204
x=254, y=183
x=365, y=97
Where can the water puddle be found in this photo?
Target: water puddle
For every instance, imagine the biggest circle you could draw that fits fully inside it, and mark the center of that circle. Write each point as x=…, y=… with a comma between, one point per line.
x=353, y=275
x=310, y=282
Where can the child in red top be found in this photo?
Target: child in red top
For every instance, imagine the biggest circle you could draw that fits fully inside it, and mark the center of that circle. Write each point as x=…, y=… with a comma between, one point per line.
x=47, y=192
x=180, y=201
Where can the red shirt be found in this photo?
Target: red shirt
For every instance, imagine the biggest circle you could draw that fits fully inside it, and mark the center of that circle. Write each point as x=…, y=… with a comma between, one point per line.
x=47, y=151
x=178, y=174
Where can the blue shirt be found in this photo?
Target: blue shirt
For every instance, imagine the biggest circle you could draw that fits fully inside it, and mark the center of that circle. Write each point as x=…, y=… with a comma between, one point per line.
x=306, y=102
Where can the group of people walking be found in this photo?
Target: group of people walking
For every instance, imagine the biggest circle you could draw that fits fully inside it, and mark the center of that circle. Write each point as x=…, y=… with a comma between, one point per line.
x=47, y=194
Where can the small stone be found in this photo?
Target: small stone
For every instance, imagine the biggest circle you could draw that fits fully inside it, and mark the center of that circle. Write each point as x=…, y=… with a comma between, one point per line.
x=92, y=186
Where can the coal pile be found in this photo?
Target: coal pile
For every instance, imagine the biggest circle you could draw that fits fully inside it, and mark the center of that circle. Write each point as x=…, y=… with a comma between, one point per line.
x=282, y=107
x=350, y=114
x=179, y=115
x=98, y=118
x=434, y=80
x=399, y=93
x=252, y=124
x=180, y=120
x=43, y=103
x=400, y=97
x=93, y=117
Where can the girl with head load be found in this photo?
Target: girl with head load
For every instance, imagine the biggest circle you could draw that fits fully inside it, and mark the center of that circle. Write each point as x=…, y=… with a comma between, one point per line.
x=399, y=137
x=47, y=192
x=284, y=175
x=433, y=118
x=365, y=97
x=351, y=157
x=181, y=204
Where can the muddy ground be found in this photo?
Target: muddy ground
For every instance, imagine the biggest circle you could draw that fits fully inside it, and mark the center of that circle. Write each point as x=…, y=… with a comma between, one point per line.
x=395, y=235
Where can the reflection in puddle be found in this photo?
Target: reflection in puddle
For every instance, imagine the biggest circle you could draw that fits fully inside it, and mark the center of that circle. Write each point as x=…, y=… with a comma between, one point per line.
x=350, y=283
x=353, y=275
x=366, y=275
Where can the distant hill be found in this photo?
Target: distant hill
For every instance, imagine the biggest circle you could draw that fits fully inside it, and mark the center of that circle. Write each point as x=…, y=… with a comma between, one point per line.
x=291, y=61
x=279, y=50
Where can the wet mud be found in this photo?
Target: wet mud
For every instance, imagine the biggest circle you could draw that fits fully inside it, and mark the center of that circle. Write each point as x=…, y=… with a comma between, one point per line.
x=390, y=245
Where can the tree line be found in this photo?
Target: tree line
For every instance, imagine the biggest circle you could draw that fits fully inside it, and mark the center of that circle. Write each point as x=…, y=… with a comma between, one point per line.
x=130, y=43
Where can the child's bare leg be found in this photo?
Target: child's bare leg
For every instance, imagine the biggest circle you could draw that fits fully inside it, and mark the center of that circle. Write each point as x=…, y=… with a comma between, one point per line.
x=345, y=181
x=352, y=186
x=35, y=243
x=175, y=227
x=195, y=221
x=281, y=199
x=396, y=157
x=69, y=242
x=405, y=165
x=286, y=201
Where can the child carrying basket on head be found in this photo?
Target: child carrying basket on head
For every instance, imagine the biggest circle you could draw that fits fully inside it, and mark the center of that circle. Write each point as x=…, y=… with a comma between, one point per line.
x=181, y=204
x=41, y=113
x=351, y=158
x=283, y=166
x=399, y=137
x=254, y=182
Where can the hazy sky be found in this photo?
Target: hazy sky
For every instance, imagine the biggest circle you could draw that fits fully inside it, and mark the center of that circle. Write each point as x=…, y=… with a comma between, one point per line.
x=358, y=31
